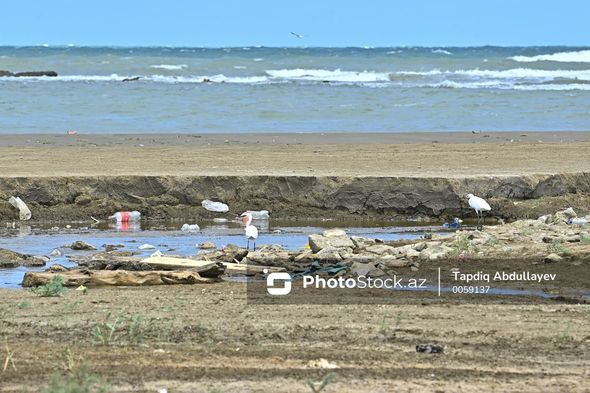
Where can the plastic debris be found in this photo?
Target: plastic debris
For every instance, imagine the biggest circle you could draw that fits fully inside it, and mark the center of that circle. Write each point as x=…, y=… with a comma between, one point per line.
x=126, y=216
x=55, y=253
x=24, y=212
x=220, y=220
x=190, y=228
x=147, y=247
x=158, y=253
x=259, y=214
x=429, y=348
x=453, y=225
x=215, y=206
x=577, y=221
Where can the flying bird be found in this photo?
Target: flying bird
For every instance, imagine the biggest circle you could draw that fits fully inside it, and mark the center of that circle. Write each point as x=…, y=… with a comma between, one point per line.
x=297, y=35
x=251, y=230
x=480, y=206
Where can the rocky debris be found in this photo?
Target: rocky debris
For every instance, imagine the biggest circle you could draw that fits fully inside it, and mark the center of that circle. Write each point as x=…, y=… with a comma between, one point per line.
x=207, y=246
x=552, y=258
x=80, y=245
x=334, y=238
x=9, y=259
x=272, y=255
x=112, y=247
x=429, y=348
x=57, y=268
x=75, y=278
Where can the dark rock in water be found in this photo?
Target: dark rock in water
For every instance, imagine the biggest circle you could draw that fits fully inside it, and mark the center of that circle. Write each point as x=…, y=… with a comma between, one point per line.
x=35, y=73
x=80, y=245
x=14, y=259
x=6, y=73
x=57, y=268
x=112, y=247
x=132, y=79
x=429, y=348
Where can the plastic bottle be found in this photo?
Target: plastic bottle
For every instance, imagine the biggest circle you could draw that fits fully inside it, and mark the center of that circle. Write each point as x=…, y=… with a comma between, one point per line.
x=126, y=216
x=215, y=206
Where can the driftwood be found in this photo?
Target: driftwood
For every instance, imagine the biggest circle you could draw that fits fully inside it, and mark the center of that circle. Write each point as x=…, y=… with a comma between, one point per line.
x=204, y=268
x=87, y=277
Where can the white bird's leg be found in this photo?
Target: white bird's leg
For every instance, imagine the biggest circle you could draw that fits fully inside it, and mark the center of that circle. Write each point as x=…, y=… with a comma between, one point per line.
x=484, y=217
x=478, y=218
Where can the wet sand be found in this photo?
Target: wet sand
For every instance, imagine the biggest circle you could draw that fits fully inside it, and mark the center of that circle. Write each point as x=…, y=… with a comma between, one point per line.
x=297, y=154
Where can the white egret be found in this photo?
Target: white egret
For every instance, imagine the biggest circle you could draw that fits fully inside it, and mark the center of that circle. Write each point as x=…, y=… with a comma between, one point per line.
x=251, y=230
x=480, y=206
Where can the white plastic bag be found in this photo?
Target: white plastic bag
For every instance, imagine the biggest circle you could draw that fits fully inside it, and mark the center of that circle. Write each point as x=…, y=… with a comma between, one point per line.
x=215, y=206
x=24, y=212
x=259, y=214
x=190, y=228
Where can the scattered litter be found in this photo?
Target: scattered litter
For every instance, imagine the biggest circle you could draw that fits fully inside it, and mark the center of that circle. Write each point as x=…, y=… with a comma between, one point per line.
x=259, y=214
x=126, y=216
x=220, y=220
x=72, y=132
x=55, y=253
x=277, y=231
x=190, y=228
x=215, y=206
x=476, y=132
x=24, y=212
x=95, y=220
x=429, y=348
x=163, y=391
x=453, y=225
x=82, y=289
x=321, y=363
x=577, y=221
x=158, y=253
x=147, y=247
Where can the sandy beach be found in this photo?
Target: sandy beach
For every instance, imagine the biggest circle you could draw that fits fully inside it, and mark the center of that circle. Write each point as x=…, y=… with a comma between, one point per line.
x=297, y=154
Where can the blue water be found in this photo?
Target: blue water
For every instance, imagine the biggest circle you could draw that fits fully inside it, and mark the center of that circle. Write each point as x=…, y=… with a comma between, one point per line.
x=37, y=241
x=295, y=89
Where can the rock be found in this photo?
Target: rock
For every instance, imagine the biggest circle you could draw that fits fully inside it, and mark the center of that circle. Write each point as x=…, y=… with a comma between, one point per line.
x=334, y=232
x=75, y=278
x=57, y=268
x=112, y=247
x=562, y=217
x=269, y=258
x=389, y=261
x=382, y=249
x=360, y=243
x=328, y=255
x=429, y=348
x=376, y=272
x=80, y=245
x=361, y=269
x=420, y=246
x=207, y=246
x=232, y=253
x=35, y=73
x=10, y=259
x=435, y=253
x=337, y=239
x=306, y=256
x=6, y=73
x=361, y=258
x=546, y=219
x=552, y=258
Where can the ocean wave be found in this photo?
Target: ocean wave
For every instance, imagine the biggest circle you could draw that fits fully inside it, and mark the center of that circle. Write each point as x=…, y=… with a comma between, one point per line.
x=329, y=75
x=506, y=86
x=582, y=56
x=514, y=73
x=170, y=67
x=441, y=51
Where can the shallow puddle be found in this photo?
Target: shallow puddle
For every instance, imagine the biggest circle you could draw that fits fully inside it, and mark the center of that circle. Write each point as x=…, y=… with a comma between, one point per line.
x=42, y=239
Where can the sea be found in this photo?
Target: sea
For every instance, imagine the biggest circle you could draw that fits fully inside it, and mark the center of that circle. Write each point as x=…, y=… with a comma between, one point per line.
x=294, y=89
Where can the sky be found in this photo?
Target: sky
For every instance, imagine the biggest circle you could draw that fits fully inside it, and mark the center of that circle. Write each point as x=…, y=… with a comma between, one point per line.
x=269, y=23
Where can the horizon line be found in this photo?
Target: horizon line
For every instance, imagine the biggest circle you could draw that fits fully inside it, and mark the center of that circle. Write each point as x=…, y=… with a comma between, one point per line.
x=286, y=46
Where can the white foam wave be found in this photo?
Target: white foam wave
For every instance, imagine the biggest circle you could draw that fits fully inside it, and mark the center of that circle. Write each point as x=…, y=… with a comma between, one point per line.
x=328, y=75
x=582, y=56
x=514, y=73
x=506, y=86
x=170, y=67
x=442, y=51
